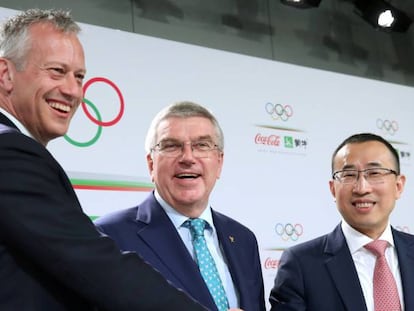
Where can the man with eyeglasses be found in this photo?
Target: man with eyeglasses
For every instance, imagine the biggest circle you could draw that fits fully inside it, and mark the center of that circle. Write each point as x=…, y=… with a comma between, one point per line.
x=184, y=146
x=340, y=271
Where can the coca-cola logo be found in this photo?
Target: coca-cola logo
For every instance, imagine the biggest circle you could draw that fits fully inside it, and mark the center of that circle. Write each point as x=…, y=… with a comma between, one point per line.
x=271, y=263
x=271, y=140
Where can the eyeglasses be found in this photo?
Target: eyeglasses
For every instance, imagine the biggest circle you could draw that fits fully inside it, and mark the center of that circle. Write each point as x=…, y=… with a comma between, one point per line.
x=174, y=148
x=371, y=175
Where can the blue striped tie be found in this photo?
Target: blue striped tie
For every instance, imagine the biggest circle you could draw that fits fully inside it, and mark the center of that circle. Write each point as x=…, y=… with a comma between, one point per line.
x=206, y=264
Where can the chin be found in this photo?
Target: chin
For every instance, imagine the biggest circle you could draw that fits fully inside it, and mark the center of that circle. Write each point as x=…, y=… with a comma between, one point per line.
x=61, y=130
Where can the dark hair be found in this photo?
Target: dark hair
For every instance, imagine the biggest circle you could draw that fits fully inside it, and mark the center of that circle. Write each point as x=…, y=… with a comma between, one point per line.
x=364, y=137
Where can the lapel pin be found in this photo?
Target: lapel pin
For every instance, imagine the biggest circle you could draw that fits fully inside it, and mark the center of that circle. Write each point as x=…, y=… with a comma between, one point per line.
x=231, y=238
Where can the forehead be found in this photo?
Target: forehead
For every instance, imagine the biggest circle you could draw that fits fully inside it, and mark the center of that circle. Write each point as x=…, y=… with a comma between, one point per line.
x=361, y=155
x=55, y=45
x=185, y=127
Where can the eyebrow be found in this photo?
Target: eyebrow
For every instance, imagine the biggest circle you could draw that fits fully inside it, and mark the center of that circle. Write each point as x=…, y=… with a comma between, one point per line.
x=369, y=165
x=203, y=137
x=63, y=65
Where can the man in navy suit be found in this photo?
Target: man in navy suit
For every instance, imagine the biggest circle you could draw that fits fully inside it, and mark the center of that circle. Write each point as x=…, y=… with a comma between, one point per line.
x=184, y=147
x=52, y=258
x=335, y=272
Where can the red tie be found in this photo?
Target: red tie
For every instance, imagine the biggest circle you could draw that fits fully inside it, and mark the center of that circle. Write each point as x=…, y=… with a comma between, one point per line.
x=385, y=289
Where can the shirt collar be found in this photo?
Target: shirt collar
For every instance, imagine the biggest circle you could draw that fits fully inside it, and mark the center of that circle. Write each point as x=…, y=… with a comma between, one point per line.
x=177, y=218
x=356, y=240
x=16, y=122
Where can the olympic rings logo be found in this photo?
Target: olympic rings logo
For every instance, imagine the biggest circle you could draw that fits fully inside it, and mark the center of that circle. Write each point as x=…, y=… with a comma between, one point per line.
x=97, y=118
x=390, y=127
x=289, y=231
x=278, y=111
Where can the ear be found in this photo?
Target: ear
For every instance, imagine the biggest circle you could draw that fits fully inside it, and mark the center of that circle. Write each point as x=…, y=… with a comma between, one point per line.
x=150, y=164
x=332, y=187
x=220, y=167
x=6, y=75
x=400, y=186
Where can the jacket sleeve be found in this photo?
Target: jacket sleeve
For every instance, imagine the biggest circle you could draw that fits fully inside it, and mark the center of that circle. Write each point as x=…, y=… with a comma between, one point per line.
x=287, y=293
x=42, y=224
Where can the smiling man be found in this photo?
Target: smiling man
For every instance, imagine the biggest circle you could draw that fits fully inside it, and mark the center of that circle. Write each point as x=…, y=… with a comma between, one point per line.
x=340, y=271
x=52, y=258
x=45, y=88
x=185, y=155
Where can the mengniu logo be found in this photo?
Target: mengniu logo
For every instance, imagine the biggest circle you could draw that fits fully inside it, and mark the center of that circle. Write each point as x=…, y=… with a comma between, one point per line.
x=96, y=116
x=289, y=231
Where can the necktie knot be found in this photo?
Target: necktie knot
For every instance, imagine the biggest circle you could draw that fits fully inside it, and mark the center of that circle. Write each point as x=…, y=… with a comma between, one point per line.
x=377, y=247
x=197, y=227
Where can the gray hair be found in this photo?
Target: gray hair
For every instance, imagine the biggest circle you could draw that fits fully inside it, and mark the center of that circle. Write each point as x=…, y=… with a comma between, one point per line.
x=14, y=38
x=183, y=109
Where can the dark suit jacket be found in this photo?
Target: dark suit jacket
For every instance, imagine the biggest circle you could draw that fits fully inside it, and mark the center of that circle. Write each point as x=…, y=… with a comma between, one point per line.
x=320, y=275
x=147, y=230
x=51, y=255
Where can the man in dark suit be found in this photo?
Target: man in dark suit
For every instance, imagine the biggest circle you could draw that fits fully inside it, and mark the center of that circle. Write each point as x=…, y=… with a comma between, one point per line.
x=52, y=258
x=335, y=271
x=184, y=148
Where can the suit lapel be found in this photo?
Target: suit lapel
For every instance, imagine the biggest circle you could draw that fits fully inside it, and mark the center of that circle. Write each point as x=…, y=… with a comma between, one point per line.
x=160, y=235
x=4, y=120
x=232, y=247
x=405, y=250
x=342, y=269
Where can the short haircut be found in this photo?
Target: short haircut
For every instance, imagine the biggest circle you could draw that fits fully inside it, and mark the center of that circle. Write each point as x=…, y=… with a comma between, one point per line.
x=366, y=137
x=184, y=109
x=14, y=35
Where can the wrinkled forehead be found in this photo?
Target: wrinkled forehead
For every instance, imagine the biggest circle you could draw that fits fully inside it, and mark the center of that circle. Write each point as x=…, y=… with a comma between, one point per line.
x=185, y=128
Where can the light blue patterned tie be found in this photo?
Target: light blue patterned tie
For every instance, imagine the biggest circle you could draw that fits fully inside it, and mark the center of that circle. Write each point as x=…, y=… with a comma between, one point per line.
x=206, y=263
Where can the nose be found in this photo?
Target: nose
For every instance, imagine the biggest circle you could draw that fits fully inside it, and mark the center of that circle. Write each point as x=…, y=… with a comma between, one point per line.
x=361, y=185
x=187, y=152
x=71, y=86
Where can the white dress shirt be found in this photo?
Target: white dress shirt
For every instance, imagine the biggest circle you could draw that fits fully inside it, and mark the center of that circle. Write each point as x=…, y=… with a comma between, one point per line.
x=212, y=243
x=16, y=122
x=364, y=261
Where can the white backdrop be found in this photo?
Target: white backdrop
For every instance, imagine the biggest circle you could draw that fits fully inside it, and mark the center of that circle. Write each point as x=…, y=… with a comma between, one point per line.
x=277, y=162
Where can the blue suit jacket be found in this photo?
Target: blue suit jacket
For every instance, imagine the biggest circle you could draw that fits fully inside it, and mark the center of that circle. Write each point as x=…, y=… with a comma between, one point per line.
x=147, y=230
x=320, y=275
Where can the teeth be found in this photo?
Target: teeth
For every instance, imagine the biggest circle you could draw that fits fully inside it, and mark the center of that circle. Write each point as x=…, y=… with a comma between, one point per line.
x=363, y=205
x=59, y=106
x=187, y=175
